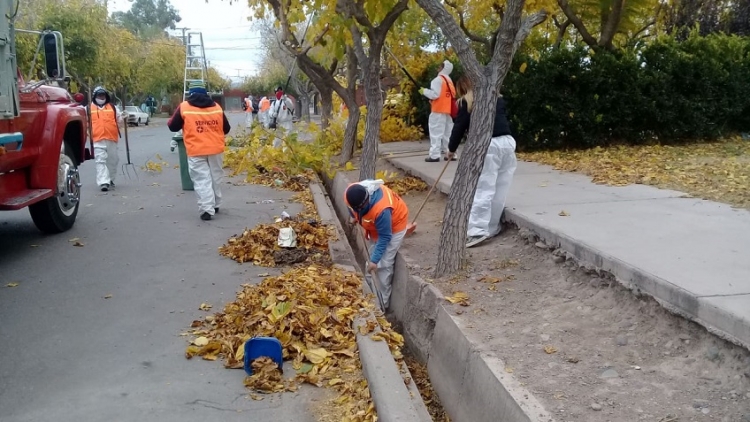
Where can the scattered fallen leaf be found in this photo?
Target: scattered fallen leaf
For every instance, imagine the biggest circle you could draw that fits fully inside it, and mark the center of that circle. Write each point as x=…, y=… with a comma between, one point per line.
x=200, y=341
x=509, y=370
x=563, y=213
x=107, y=296
x=718, y=171
x=460, y=298
x=550, y=350
x=573, y=359
x=11, y=285
x=205, y=307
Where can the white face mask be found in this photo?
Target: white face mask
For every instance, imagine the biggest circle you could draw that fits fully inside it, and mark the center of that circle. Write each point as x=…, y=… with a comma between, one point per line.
x=100, y=101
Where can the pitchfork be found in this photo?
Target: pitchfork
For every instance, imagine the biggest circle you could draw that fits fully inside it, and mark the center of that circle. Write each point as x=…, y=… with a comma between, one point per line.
x=125, y=166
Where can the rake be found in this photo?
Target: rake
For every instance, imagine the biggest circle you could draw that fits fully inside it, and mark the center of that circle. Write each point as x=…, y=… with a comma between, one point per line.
x=411, y=227
x=126, y=167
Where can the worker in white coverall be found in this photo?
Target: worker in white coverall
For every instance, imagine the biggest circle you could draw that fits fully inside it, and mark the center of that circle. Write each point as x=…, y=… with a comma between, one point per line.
x=105, y=132
x=497, y=172
x=440, y=123
x=204, y=127
x=384, y=216
x=264, y=105
x=282, y=113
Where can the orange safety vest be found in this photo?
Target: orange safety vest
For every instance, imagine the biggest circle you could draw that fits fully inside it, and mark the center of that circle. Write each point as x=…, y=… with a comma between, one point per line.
x=203, y=129
x=265, y=104
x=104, y=123
x=442, y=104
x=248, y=106
x=399, y=213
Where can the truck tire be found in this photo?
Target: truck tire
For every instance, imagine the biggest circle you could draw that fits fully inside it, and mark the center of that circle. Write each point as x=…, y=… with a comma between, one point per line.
x=138, y=123
x=58, y=213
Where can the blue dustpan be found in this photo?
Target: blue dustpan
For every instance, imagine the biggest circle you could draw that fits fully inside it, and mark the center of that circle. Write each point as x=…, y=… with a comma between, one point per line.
x=258, y=347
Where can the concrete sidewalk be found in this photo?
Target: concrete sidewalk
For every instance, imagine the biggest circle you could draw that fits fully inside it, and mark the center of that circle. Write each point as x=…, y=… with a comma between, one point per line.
x=685, y=252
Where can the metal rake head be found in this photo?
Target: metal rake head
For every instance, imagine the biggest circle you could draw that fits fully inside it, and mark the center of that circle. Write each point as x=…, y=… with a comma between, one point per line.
x=126, y=171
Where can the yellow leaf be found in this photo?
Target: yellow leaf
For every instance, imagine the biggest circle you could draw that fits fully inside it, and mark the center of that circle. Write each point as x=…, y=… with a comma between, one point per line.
x=350, y=166
x=205, y=307
x=460, y=298
x=522, y=69
x=316, y=356
x=108, y=296
x=335, y=381
x=563, y=214
x=377, y=337
x=200, y=341
x=11, y=285
x=550, y=350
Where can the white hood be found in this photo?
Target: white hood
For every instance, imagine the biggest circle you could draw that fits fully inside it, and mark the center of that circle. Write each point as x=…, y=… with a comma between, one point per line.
x=447, y=68
x=371, y=185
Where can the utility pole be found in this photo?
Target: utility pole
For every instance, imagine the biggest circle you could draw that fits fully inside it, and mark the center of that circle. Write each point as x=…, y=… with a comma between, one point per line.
x=184, y=38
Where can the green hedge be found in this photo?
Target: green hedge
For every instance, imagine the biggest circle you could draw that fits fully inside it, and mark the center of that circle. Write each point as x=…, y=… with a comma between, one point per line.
x=669, y=92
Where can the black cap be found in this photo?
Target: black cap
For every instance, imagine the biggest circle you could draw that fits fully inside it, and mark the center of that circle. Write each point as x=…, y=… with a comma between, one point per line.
x=356, y=196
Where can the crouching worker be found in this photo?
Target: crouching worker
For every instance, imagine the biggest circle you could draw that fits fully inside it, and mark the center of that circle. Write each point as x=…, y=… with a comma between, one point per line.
x=203, y=124
x=384, y=216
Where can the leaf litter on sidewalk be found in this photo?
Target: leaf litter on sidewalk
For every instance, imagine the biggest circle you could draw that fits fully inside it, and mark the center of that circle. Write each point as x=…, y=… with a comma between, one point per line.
x=718, y=171
x=311, y=311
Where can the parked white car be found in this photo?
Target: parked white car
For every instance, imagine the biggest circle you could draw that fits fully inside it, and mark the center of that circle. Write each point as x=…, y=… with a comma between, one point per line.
x=136, y=116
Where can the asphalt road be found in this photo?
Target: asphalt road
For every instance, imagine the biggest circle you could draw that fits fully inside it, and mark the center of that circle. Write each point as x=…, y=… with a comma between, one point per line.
x=67, y=353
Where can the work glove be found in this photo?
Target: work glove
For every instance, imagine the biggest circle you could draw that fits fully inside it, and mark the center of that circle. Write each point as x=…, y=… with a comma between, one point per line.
x=421, y=91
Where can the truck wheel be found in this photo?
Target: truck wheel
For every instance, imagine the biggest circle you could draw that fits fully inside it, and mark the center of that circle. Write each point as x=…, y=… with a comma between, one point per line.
x=58, y=213
x=138, y=123
x=147, y=121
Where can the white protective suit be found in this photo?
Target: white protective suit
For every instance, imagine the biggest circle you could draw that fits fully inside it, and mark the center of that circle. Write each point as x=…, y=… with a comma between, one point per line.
x=263, y=115
x=493, y=187
x=207, y=174
x=106, y=156
x=440, y=124
x=283, y=111
x=388, y=260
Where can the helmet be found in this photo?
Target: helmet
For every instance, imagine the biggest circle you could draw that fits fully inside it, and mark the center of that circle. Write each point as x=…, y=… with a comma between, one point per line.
x=100, y=90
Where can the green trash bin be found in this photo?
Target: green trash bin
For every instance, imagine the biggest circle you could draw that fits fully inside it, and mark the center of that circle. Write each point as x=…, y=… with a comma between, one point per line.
x=187, y=183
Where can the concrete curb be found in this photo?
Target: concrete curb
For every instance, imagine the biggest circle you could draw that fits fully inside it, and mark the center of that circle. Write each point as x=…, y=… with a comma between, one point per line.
x=729, y=326
x=472, y=385
x=394, y=400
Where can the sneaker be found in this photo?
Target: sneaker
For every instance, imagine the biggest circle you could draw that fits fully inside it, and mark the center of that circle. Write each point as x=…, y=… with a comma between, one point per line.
x=112, y=184
x=216, y=210
x=475, y=240
x=105, y=187
x=431, y=160
x=171, y=149
x=205, y=216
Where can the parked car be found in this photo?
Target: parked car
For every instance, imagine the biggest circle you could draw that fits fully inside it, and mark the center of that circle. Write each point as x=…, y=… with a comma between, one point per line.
x=136, y=116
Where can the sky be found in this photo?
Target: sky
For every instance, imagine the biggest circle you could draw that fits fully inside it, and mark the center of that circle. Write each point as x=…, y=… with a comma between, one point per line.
x=232, y=44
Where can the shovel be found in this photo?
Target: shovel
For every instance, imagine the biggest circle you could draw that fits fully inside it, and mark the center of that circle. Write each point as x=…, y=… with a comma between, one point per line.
x=126, y=166
x=411, y=227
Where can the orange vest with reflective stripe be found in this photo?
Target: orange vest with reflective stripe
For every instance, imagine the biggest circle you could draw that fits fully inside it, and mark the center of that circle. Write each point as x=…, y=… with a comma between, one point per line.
x=442, y=104
x=248, y=106
x=203, y=129
x=265, y=104
x=104, y=123
x=399, y=213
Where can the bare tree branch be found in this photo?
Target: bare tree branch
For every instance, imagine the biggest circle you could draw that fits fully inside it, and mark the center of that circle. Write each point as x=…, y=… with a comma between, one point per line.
x=576, y=21
x=317, y=40
x=526, y=26
x=561, y=30
x=609, y=30
x=462, y=25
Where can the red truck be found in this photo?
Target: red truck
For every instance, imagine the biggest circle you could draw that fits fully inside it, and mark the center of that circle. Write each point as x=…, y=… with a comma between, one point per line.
x=43, y=132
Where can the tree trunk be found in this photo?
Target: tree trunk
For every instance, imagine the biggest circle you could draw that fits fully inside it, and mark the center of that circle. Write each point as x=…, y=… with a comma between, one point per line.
x=326, y=106
x=452, y=248
x=374, y=98
x=350, y=134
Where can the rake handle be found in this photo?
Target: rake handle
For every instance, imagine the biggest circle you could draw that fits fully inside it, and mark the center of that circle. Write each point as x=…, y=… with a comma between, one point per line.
x=445, y=167
x=127, y=143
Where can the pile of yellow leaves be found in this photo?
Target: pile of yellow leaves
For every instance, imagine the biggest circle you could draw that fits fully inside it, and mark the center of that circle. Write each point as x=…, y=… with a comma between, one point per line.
x=278, y=179
x=401, y=184
x=311, y=311
x=267, y=377
x=155, y=166
x=260, y=245
x=718, y=171
x=306, y=199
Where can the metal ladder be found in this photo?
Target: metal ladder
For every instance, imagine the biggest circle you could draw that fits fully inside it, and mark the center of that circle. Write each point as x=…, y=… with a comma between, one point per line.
x=196, y=67
x=196, y=70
